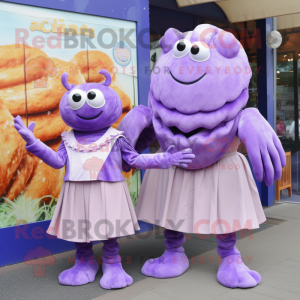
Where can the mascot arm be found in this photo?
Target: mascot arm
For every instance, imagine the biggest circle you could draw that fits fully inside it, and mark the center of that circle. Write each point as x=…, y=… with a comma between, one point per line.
x=53, y=159
x=263, y=146
x=137, y=127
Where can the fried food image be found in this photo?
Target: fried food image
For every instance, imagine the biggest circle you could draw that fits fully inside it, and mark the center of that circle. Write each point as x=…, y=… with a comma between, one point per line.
x=20, y=178
x=44, y=179
x=126, y=102
x=12, y=148
x=12, y=64
x=40, y=99
x=48, y=125
x=90, y=63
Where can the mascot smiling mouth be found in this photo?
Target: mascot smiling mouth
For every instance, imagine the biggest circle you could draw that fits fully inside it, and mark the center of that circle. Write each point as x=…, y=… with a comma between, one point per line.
x=176, y=131
x=191, y=82
x=92, y=118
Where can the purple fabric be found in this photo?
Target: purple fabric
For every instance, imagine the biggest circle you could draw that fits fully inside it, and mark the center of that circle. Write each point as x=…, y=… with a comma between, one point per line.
x=84, y=251
x=174, y=240
x=87, y=117
x=141, y=134
x=224, y=81
x=233, y=273
x=113, y=274
x=110, y=251
x=226, y=244
x=85, y=269
x=112, y=168
x=114, y=277
x=173, y=262
x=263, y=146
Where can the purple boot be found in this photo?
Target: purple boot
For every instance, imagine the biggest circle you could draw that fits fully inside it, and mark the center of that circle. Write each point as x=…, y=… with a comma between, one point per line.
x=173, y=262
x=232, y=271
x=114, y=277
x=85, y=268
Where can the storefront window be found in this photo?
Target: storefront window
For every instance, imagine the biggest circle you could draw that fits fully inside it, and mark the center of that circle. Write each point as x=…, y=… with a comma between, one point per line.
x=287, y=94
x=285, y=118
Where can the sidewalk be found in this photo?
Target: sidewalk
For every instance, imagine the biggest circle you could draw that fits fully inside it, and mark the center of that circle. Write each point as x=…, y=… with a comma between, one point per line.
x=274, y=251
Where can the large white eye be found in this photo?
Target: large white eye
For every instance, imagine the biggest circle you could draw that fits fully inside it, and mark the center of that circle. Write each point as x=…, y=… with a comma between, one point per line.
x=181, y=48
x=95, y=98
x=199, y=51
x=76, y=99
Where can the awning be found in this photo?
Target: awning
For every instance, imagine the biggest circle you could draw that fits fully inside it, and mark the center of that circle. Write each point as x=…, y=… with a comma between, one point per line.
x=287, y=11
x=288, y=21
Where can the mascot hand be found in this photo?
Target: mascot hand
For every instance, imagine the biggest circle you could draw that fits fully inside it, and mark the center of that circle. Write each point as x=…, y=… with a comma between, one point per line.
x=263, y=146
x=26, y=133
x=181, y=158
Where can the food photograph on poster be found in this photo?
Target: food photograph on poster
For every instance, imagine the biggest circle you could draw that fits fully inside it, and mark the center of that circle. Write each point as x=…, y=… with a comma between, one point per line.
x=37, y=46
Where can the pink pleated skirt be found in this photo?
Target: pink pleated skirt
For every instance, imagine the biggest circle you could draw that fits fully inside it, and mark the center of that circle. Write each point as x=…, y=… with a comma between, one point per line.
x=219, y=199
x=93, y=210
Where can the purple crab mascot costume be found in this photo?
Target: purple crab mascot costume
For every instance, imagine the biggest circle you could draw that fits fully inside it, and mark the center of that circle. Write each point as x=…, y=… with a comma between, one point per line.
x=94, y=203
x=198, y=90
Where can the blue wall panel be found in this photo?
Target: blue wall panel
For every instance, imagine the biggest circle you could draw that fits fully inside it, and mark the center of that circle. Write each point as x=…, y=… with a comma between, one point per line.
x=265, y=92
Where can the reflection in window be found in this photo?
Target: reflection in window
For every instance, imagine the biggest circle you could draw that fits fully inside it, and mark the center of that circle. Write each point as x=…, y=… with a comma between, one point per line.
x=285, y=94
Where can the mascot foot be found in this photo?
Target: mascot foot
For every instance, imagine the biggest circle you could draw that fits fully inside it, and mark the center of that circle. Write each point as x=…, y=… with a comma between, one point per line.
x=114, y=277
x=233, y=273
x=170, y=264
x=81, y=273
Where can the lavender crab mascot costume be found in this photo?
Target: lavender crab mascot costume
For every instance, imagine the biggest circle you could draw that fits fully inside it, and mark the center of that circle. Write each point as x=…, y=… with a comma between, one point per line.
x=94, y=198
x=198, y=90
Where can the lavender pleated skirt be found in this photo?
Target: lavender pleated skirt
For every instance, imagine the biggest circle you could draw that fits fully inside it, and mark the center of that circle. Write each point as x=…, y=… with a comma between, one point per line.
x=219, y=199
x=93, y=210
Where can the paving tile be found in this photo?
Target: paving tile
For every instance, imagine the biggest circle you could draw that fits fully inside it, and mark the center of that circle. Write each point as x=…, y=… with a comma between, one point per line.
x=296, y=257
x=148, y=295
x=125, y=294
x=275, y=292
x=207, y=289
x=291, y=264
x=247, y=294
x=282, y=284
x=288, y=270
x=274, y=274
x=284, y=210
x=223, y=297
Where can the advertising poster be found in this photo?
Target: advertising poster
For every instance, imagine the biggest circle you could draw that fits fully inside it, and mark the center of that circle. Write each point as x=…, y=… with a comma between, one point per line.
x=36, y=47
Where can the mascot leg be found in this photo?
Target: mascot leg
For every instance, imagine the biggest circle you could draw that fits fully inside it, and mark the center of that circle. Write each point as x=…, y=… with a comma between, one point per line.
x=85, y=268
x=173, y=262
x=232, y=271
x=114, y=277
